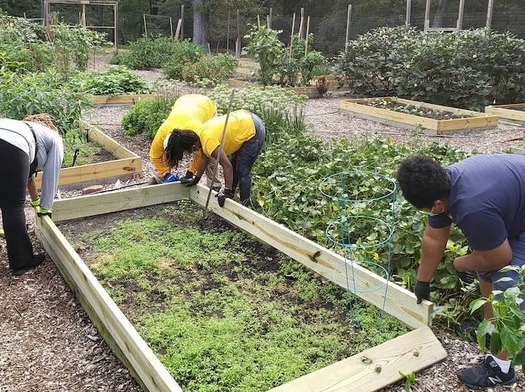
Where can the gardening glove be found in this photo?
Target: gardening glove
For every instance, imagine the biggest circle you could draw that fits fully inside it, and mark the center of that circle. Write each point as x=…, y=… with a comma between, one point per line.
x=35, y=203
x=226, y=194
x=422, y=291
x=168, y=177
x=43, y=211
x=191, y=181
x=466, y=277
x=188, y=174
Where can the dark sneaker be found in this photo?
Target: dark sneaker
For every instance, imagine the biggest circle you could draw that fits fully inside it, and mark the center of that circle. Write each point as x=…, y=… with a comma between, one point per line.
x=37, y=260
x=485, y=375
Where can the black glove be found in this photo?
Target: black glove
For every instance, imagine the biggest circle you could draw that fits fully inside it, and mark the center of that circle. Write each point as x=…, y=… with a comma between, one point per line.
x=188, y=174
x=226, y=194
x=190, y=181
x=466, y=277
x=422, y=291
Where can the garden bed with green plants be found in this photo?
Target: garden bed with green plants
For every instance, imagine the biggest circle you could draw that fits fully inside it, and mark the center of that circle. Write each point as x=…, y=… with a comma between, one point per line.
x=415, y=115
x=221, y=310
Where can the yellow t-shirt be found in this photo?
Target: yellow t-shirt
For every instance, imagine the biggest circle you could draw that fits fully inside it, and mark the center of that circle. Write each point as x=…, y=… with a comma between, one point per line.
x=188, y=112
x=239, y=129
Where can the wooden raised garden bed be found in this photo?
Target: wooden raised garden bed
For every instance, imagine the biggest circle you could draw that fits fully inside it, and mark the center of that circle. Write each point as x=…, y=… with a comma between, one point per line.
x=512, y=112
x=369, y=370
x=430, y=118
x=126, y=164
x=127, y=99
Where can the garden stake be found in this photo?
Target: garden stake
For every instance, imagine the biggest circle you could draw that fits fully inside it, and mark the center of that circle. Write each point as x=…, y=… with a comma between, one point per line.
x=219, y=149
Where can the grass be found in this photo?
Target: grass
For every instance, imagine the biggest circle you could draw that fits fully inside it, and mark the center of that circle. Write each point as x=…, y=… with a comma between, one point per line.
x=222, y=311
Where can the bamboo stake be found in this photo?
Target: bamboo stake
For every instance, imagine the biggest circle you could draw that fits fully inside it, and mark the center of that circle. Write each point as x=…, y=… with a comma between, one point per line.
x=348, y=14
x=307, y=36
x=300, y=33
x=291, y=35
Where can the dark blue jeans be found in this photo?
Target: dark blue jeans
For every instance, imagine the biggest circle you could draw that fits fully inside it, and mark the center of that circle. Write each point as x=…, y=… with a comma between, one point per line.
x=244, y=158
x=14, y=172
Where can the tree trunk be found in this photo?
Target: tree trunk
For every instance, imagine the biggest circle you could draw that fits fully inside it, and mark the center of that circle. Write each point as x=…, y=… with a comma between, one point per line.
x=201, y=20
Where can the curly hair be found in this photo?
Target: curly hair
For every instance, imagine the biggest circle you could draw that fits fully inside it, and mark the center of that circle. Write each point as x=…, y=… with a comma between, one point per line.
x=422, y=181
x=178, y=142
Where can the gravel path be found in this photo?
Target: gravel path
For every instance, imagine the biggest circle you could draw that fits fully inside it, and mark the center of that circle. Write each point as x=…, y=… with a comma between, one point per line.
x=47, y=343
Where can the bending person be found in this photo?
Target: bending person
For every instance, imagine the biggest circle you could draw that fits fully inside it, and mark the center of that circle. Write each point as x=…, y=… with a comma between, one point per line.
x=188, y=112
x=243, y=140
x=26, y=147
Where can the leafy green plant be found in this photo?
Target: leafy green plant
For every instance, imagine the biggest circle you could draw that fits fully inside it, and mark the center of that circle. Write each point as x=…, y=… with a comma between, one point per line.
x=114, y=81
x=146, y=53
x=264, y=45
x=409, y=380
x=208, y=71
x=146, y=116
x=470, y=69
x=508, y=321
x=184, y=52
x=41, y=92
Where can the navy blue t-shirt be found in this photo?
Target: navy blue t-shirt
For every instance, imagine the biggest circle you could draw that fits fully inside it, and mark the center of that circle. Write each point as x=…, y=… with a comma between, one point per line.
x=487, y=199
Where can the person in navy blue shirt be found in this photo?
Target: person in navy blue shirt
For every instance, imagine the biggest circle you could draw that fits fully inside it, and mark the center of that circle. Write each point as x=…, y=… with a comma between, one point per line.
x=484, y=196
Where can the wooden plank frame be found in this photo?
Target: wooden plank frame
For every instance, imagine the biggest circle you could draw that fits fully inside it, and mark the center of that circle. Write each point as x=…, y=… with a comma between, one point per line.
x=473, y=121
x=127, y=163
x=513, y=112
x=126, y=99
x=369, y=370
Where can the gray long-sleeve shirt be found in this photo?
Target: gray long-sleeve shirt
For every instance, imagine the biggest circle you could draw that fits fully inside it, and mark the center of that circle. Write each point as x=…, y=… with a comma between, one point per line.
x=50, y=153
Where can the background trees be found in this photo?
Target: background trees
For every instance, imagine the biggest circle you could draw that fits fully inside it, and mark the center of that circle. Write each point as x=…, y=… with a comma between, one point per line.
x=220, y=22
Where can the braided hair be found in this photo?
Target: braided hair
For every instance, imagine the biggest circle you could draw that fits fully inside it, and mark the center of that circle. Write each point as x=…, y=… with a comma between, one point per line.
x=178, y=142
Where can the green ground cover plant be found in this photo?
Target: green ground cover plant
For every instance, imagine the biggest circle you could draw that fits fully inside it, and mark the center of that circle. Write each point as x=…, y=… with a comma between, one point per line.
x=222, y=311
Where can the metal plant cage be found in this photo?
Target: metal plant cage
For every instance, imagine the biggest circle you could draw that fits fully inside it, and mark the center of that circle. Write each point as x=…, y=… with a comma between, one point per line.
x=364, y=203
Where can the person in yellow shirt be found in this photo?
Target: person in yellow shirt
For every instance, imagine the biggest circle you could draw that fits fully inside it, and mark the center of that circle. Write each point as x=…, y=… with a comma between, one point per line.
x=243, y=140
x=188, y=112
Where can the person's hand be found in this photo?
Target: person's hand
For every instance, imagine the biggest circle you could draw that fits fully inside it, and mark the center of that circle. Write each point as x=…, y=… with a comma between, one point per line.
x=168, y=177
x=43, y=211
x=190, y=181
x=188, y=174
x=422, y=291
x=466, y=277
x=35, y=203
x=222, y=196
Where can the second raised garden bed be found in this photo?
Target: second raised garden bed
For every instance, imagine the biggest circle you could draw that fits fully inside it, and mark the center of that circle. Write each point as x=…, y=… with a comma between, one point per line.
x=429, y=118
x=125, y=164
x=512, y=112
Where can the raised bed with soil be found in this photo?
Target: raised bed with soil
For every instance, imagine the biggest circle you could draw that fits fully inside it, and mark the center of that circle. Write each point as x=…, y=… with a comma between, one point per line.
x=414, y=115
x=368, y=370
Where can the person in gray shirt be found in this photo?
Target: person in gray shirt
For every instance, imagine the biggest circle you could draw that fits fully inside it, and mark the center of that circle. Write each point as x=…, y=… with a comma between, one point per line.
x=26, y=147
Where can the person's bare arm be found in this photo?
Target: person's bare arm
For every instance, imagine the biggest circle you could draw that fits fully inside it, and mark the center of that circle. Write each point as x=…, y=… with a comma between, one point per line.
x=433, y=246
x=487, y=260
x=227, y=168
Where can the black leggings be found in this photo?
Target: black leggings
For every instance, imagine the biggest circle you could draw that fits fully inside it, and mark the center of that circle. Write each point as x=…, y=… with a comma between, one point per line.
x=14, y=173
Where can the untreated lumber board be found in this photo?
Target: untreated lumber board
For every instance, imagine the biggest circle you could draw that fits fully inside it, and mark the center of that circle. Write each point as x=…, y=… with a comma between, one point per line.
x=108, y=143
x=472, y=121
x=112, y=324
x=374, y=368
x=126, y=99
x=400, y=302
x=119, y=200
x=513, y=112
